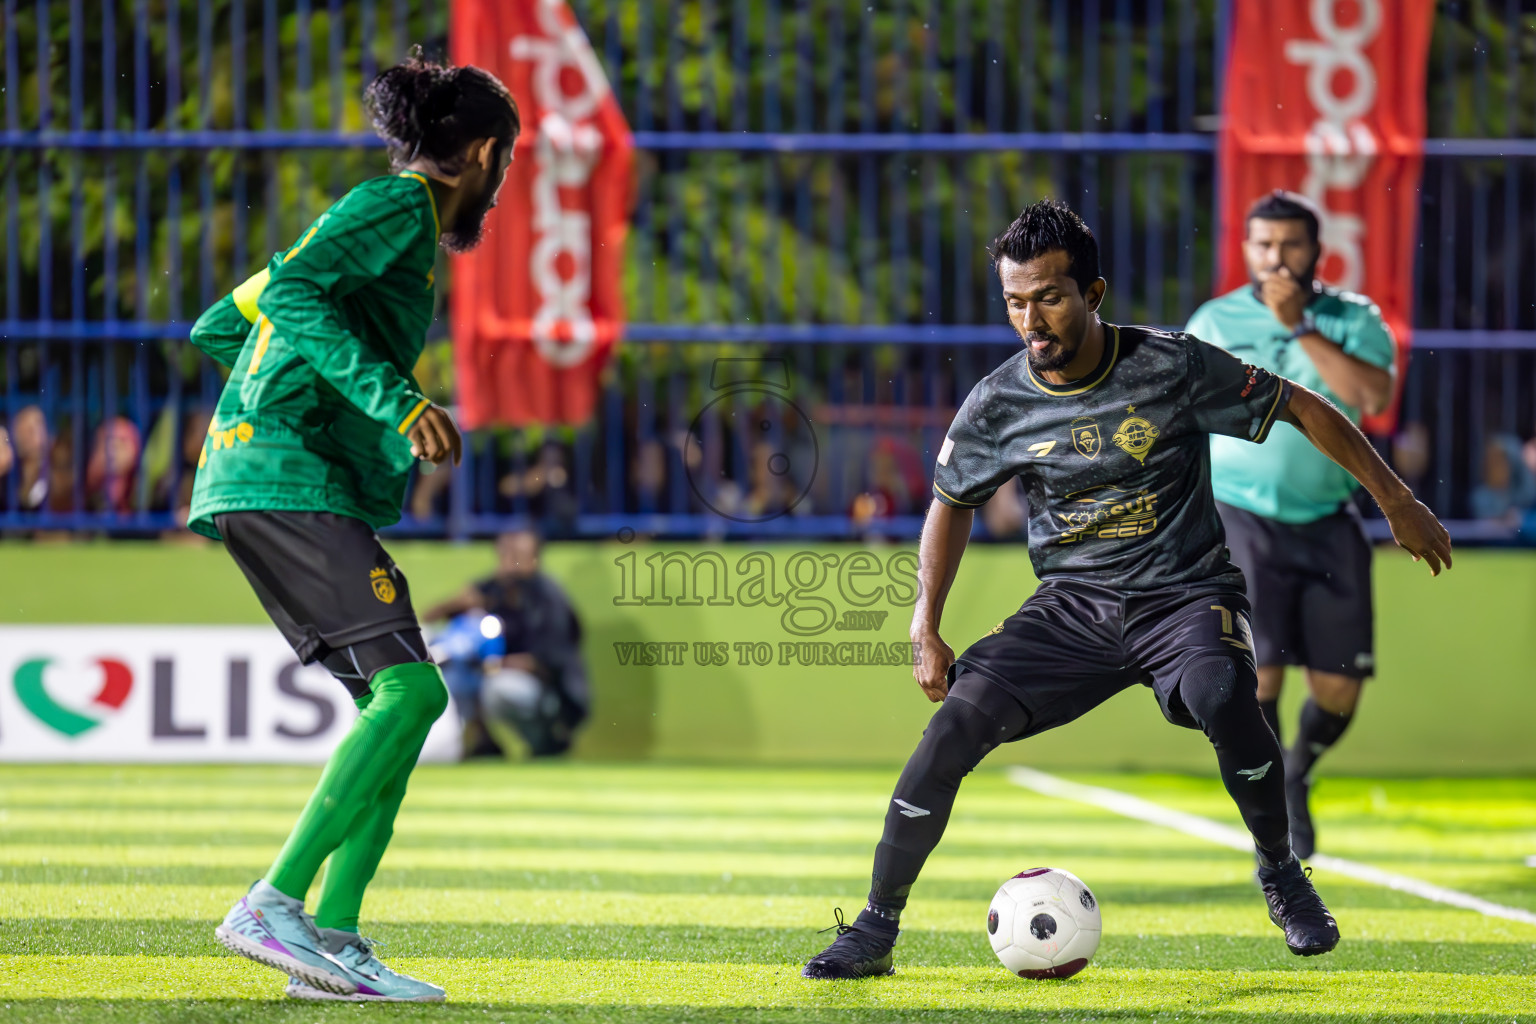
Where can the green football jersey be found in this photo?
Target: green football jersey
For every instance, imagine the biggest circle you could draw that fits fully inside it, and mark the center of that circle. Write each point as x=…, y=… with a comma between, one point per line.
x=1117, y=466
x=1289, y=480
x=322, y=343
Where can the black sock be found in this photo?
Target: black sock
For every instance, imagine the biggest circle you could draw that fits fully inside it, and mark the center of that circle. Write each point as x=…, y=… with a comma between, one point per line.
x=1250, y=758
x=1315, y=733
x=957, y=738
x=1271, y=709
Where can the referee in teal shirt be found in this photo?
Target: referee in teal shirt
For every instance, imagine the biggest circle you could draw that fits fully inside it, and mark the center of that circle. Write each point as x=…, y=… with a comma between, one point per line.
x=1291, y=521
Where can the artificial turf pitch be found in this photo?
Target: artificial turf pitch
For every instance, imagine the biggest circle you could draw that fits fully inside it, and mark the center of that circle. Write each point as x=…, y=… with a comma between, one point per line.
x=584, y=892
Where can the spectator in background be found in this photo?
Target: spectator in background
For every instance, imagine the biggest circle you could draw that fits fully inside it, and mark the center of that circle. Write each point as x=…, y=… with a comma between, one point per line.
x=7, y=460
x=429, y=493
x=538, y=687
x=29, y=435
x=1410, y=454
x=193, y=434
x=1507, y=488
x=1006, y=513
x=648, y=475
x=169, y=459
x=60, y=490
x=114, y=462
x=545, y=489
x=894, y=483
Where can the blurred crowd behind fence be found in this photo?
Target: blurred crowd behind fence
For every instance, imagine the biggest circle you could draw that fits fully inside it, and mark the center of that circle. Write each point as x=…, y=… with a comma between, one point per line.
x=818, y=181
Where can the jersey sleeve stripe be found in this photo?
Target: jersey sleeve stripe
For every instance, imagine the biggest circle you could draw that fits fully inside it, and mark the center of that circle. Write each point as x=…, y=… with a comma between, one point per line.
x=263, y=338
x=1282, y=397
x=412, y=416
x=950, y=499
x=436, y=223
x=295, y=250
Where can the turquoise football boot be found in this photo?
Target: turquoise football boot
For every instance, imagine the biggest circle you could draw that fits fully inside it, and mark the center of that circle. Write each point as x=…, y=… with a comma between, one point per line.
x=272, y=929
x=375, y=983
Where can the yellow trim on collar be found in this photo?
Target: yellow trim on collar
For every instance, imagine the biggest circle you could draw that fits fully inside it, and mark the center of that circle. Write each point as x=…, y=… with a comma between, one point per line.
x=430, y=197
x=1050, y=389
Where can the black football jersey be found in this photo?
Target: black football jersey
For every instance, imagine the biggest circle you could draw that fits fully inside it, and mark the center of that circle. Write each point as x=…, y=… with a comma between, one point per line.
x=1117, y=466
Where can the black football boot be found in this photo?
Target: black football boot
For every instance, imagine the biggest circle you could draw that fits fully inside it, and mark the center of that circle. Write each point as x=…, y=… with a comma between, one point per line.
x=861, y=949
x=1297, y=909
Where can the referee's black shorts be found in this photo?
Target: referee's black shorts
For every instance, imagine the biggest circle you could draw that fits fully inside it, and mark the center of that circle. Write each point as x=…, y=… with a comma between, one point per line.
x=1309, y=585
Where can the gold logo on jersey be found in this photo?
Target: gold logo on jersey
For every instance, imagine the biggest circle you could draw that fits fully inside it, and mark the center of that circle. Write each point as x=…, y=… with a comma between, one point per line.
x=997, y=628
x=1107, y=513
x=1086, y=438
x=1135, y=437
x=383, y=586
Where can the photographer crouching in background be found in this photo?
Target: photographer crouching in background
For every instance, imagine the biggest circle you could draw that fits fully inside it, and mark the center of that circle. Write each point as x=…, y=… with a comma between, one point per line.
x=511, y=655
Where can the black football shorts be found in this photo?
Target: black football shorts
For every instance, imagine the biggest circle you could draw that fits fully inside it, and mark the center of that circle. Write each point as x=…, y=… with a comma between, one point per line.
x=1073, y=645
x=325, y=579
x=1310, y=589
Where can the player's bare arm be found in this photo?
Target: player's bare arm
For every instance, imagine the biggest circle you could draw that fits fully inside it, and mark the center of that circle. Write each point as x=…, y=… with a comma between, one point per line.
x=945, y=533
x=1414, y=526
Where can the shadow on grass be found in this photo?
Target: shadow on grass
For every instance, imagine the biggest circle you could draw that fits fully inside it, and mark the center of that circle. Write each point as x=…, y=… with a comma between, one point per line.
x=1179, y=889
x=86, y=1011
x=745, y=945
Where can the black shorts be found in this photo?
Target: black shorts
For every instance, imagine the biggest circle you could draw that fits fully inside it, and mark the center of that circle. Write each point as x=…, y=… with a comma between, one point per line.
x=1310, y=588
x=1074, y=645
x=325, y=579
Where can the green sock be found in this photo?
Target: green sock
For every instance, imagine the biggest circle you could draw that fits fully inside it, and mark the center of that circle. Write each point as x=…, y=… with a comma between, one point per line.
x=383, y=744
x=351, y=867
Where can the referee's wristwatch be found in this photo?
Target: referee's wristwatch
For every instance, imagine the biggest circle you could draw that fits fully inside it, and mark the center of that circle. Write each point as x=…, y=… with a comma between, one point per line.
x=1307, y=326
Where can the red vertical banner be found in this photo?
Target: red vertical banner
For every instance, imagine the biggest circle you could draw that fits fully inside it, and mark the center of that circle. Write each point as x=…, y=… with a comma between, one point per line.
x=1327, y=98
x=538, y=307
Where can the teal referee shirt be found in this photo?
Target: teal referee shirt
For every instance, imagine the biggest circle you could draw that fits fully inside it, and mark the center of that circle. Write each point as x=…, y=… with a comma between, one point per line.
x=1287, y=479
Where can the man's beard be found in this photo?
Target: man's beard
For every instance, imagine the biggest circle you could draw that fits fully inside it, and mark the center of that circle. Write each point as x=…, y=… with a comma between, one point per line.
x=1053, y=357
x=1304, y=279
x=469, y=226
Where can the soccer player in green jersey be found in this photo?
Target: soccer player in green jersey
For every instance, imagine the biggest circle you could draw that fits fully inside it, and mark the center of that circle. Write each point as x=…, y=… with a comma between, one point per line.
x=309, y=453
x=1108, y=427
x=1290, y=512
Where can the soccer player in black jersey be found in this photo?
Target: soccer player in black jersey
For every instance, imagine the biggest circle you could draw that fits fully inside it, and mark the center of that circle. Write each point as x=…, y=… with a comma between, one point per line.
x=1108, y=428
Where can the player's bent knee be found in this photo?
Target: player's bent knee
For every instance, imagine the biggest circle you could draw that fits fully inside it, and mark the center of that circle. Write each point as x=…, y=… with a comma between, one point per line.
x=415, y=689
x=958, y=736
x=1208, y=688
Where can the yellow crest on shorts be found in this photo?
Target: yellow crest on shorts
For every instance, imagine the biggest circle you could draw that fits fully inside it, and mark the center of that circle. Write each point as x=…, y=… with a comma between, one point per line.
x=383, y=586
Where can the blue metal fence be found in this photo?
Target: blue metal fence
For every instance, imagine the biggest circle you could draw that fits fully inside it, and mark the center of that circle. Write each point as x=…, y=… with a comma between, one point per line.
x=818, y=182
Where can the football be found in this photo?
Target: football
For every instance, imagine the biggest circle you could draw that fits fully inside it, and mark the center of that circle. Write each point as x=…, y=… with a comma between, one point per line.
x=1044, y=923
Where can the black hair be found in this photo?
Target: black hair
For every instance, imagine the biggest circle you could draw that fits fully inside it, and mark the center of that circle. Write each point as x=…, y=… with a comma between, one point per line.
x=424, y=108
x=1044, y=227
x=1283, y=205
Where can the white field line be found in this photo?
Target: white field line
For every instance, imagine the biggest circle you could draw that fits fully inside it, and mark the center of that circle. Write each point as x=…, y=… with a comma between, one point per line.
x=1224, y=835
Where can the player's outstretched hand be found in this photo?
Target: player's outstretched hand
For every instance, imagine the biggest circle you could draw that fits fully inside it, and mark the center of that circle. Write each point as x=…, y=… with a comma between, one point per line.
x=1419, y=533
x=931, y=668
x=435, y=438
